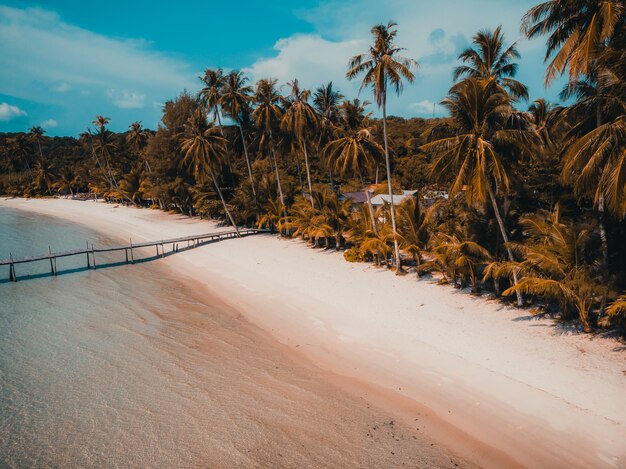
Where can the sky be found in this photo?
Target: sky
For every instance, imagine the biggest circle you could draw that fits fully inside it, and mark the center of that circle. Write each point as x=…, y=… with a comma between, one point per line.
x=63, y=62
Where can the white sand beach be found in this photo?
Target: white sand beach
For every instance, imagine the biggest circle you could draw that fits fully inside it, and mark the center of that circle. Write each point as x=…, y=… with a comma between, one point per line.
x=492, y=384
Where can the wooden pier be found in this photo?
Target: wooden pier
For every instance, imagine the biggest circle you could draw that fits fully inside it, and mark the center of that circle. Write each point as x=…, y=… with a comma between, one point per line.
x=90, y=251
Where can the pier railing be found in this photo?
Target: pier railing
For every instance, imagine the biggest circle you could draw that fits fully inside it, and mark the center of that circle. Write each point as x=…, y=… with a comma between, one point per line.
x=90, y=251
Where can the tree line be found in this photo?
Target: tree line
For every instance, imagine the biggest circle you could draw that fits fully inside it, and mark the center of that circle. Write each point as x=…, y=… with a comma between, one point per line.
x=526, y=200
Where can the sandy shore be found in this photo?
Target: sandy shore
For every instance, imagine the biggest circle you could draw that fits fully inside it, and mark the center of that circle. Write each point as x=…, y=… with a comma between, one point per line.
x=492, y=384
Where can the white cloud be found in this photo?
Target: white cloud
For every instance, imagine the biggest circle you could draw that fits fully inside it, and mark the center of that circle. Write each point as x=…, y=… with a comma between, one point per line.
x=423, y=107
x=434, y=33
x=310, y=58
x=125, y=99
x=61, y=87
x=8, y=112
x=65, y=57
x=49, y=124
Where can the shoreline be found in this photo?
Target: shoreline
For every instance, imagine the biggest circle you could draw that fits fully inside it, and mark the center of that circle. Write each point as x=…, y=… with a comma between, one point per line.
x=494, y=385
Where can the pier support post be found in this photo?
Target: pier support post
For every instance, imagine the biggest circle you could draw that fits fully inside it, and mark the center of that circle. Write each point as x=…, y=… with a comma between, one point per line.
x=93, y=256
x=12, y=276
x=126, y=251
x=88, y=262
x=157, y=249
x=132, y=256
x=53, y=269
x=162, y=250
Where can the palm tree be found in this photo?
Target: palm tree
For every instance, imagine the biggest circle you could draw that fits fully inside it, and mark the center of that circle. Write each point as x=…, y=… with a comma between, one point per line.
x=137, y=138
x=104, y=146
x=267, y=116
x=553, y=265
x=326, y=101
x=594, y=160
x=211, y=93
x=235, y=101
x=457, y=258
x=355, y=152
x=36, y=134
x=480, y=111
x=545, y=116
x=299, y=118
x=490, y=59
x=578, y=30
x=382, y=67
x=413, y=224
x=44, y=172
x=203, y=150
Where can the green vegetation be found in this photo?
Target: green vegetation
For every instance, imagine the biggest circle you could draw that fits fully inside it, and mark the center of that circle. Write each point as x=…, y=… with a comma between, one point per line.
x=525, y=201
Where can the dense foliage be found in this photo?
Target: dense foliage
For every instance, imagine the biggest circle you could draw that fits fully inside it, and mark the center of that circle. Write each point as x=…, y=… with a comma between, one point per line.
x=525, y=200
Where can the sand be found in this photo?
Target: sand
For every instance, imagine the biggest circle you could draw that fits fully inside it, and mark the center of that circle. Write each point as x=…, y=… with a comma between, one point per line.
x=491, y=384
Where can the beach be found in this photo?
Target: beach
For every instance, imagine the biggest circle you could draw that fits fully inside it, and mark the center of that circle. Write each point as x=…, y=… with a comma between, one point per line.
x=490, y=384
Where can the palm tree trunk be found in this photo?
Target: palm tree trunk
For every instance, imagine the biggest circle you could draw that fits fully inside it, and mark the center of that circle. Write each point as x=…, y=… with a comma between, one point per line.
x=308, y=172
x=219, y=192
x=393, y=211
x=505, y=237
x=245, y=151
x=371, y=210
x=280, y=188
x=219, y=123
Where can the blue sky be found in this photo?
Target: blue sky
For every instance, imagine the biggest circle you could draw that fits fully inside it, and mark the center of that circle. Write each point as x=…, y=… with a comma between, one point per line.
x=62, y=62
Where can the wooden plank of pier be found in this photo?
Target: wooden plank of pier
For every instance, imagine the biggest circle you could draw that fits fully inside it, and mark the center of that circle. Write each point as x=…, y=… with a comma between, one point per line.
x=90, y=252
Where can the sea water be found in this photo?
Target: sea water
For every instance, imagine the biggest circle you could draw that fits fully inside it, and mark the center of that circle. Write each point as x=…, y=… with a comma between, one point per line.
x=92, y=373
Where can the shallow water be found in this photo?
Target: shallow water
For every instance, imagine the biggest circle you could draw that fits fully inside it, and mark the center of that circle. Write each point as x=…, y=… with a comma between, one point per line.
x=128, y=366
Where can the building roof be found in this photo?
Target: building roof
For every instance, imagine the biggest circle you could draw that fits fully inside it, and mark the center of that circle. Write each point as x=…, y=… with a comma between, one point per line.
x=356, y=197
x=382, y=199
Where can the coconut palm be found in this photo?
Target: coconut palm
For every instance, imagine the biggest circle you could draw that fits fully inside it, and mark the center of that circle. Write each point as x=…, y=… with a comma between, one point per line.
x=137, y=138
x=491, y=59
x=355, y=152
x=36, y=134
x=326, y=101
x=44, y=174
x=595, y=160
x=267, y=116
x=211, y=93
x=298, y=120
x=457, y=259
x=546, y=117
x=235, y=100
x=382, y=68
x=203, y=150
x=480, y=111
x=553, y=266
x=578, y=30
x=413, y=224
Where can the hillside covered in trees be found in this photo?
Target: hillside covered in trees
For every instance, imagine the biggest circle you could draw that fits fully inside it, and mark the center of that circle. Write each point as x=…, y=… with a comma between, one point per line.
x=524, y=200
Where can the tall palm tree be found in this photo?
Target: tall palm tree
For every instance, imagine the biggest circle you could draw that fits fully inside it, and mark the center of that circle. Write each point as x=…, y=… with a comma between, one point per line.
x=480, y=111
x=137, y=138
x=211, y=96
x=300, y=118
x=545, y=116
x=354, y=151
x=383, y=67
x=211, y=93
x=203, y=150
x=326, y=101
x=490, y=59
x=578, y=30
x=36, y=134
x=267, y=116
x=235, y=100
